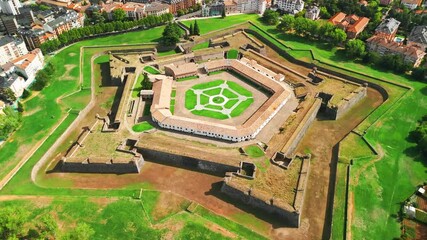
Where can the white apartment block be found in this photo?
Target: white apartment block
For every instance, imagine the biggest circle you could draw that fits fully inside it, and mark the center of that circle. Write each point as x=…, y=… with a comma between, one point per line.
x=29, y=64
x=251, y=6
x=11, y=48
x=290, y=6
x=10, y=6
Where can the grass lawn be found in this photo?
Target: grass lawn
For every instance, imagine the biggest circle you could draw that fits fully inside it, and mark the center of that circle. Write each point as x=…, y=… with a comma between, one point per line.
x=151, y=70
x=202, y=45
x=216, y=72
x=232, y=54
x=142, y=127
x=167, y=53
x=187, y=78
x=254, y=151
x=213, y=24
x=339, y=212
x=138, y=86
x=222, y=98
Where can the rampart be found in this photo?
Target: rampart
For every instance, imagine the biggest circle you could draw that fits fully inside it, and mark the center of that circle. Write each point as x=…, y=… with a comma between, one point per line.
x=171, y=159
x=299, y=133
x=102, y=164
x=345, y=104
x=260, y=200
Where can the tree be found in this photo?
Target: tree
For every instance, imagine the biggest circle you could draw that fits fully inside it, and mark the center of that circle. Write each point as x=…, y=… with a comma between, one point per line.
x=355, y=48
x=270, y=17
x=12, y=220
x=223, y=13
x=171, y=34
x=287, y=23
x=196, y=28
x=119, y=14
x=191, y=29
x=7, y=94
x=419, y=74
x=338, y=36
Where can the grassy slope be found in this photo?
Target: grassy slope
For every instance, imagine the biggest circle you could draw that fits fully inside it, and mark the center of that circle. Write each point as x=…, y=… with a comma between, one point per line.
x=141, y=127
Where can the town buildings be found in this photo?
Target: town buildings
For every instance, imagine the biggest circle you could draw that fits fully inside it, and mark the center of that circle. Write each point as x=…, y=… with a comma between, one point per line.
x=11, y=48
x=412, y=55
x=176, y=5
x=156, y=9
x=20, y=72
x=312, y=12
x=10, y=6
x=351, y=24
x=46, y=30
x=234, y=6
x=290, y=6
x=387, y=29
x=418, y=37
x=411, y=4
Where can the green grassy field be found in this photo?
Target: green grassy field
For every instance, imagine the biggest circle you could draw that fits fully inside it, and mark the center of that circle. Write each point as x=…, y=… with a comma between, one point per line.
x=254, y=151
x=138, y=86
x=214, y=99
x=142, y=127
x=232, y=54
x=202, y=45
x=151, y=70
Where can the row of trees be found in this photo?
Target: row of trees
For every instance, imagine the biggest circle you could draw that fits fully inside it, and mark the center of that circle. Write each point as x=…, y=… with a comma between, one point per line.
x=314, y=30
x=78, y=34
x=194, y=30
x=16, y=223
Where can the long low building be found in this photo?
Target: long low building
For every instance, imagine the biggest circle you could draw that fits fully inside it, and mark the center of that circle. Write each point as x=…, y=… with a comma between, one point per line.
x=161, y=114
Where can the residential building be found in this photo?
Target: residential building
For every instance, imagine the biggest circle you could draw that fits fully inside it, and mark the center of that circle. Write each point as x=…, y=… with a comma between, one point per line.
x=410, y=54
x=35, y=36
x=411, y=4
x=352, y=24
x=156, y=9
x=213, y=9
x=385, y=2
x=9, y=23
x=11, y=48
x=387, y=29
x=10, y=6
x=290, y=6
x=29, y=64
x=66, y=22
x=176, y=5
x=312, y=12
x=134, y=11
x=418, y=37
x=13, y=81
x=234, y=6
x=19, y=73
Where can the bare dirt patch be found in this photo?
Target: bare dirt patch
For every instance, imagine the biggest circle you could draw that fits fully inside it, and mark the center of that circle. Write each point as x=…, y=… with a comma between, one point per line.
x=68, y=69
x=168, y=204
x=218, y=229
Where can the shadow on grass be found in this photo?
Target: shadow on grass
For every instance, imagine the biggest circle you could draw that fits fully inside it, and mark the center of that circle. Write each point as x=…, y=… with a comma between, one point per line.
x=416, y=154
x=424, y=91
